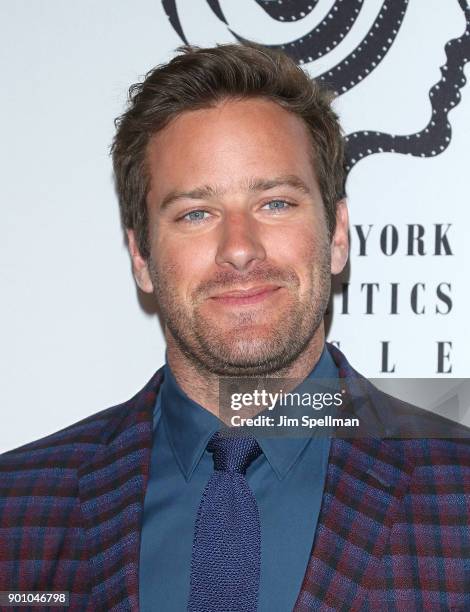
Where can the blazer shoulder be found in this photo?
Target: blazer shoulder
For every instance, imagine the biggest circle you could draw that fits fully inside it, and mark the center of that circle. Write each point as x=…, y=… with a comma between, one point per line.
x=434, y=444
x=75, y=443
x=406, y=420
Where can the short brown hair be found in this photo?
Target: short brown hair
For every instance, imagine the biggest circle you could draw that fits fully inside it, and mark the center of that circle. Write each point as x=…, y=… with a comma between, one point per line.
x=202, y=77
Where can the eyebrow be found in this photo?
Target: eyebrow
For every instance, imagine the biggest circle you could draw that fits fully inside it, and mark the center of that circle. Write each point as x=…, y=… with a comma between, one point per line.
x=255, y=185
x=288, y=180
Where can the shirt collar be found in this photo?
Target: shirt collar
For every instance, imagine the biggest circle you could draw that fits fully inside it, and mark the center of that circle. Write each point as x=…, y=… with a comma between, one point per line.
x=189, y=426
x=283, y=452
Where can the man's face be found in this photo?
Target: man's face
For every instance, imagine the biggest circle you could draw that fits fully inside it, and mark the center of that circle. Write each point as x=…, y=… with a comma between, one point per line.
x=240, y=258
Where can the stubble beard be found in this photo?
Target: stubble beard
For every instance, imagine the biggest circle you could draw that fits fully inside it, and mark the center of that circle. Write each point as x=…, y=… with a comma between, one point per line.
x=226, y=353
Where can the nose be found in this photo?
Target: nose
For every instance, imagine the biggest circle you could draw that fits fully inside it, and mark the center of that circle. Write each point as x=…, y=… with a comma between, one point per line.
x=240, y=246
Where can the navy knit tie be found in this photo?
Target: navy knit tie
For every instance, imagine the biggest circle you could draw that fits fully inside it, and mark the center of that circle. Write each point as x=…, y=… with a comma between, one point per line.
x=225, y=565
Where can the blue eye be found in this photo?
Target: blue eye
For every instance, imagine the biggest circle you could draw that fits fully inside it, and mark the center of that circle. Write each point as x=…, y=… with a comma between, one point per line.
x=277, y=205
x=195, y=216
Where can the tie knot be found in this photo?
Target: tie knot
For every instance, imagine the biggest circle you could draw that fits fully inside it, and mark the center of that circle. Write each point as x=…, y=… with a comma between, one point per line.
x=233, y=453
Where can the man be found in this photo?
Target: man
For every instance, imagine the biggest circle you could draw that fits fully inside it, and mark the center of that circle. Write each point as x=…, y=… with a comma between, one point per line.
x=229, y=171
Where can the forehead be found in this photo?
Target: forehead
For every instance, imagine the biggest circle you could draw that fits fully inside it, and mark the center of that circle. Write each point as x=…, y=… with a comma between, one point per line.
x=229, y=143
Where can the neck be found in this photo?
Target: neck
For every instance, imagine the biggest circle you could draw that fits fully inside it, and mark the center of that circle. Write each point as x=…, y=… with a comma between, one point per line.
x=202, y=386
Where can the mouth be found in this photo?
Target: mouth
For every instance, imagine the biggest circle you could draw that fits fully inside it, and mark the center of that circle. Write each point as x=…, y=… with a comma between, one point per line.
x=248, y=296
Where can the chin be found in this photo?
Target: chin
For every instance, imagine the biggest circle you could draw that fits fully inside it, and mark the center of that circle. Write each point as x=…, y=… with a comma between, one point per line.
x=246, y=342
x=244, y=357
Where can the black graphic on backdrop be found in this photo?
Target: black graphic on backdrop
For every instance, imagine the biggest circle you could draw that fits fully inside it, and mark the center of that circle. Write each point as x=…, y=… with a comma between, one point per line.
x=287, y=10
x=369, y=53
x=325, y=36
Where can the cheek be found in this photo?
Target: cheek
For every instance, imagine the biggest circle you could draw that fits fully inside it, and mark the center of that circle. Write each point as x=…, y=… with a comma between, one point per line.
x=294, y=246
x=306, y=251
x=183, y=262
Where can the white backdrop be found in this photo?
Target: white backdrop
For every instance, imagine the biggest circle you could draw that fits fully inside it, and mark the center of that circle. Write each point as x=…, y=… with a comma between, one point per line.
x=74, y=338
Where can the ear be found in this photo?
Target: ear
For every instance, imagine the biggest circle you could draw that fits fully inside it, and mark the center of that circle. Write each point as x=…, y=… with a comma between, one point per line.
x=339, y=241
x=139, y=264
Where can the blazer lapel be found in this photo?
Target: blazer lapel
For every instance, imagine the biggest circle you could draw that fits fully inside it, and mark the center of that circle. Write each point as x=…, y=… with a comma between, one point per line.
x=111, y=490
x=365, y=483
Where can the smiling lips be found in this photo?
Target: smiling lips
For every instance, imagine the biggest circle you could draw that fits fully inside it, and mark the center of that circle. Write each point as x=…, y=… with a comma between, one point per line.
x=248, y=296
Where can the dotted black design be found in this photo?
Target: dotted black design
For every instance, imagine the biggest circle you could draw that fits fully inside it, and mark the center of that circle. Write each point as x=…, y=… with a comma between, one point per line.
x=287, y=10
x=444, y=95
x=371, y=50
x=325, y=36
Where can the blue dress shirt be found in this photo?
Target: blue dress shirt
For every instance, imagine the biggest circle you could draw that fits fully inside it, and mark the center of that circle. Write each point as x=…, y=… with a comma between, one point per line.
x=287, y=480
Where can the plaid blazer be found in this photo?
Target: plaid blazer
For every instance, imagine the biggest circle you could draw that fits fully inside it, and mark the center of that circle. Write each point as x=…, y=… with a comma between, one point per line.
x=393, y=531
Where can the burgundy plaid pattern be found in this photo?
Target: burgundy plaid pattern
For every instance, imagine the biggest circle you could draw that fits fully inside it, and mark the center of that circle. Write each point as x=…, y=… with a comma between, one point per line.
x=393, y=532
